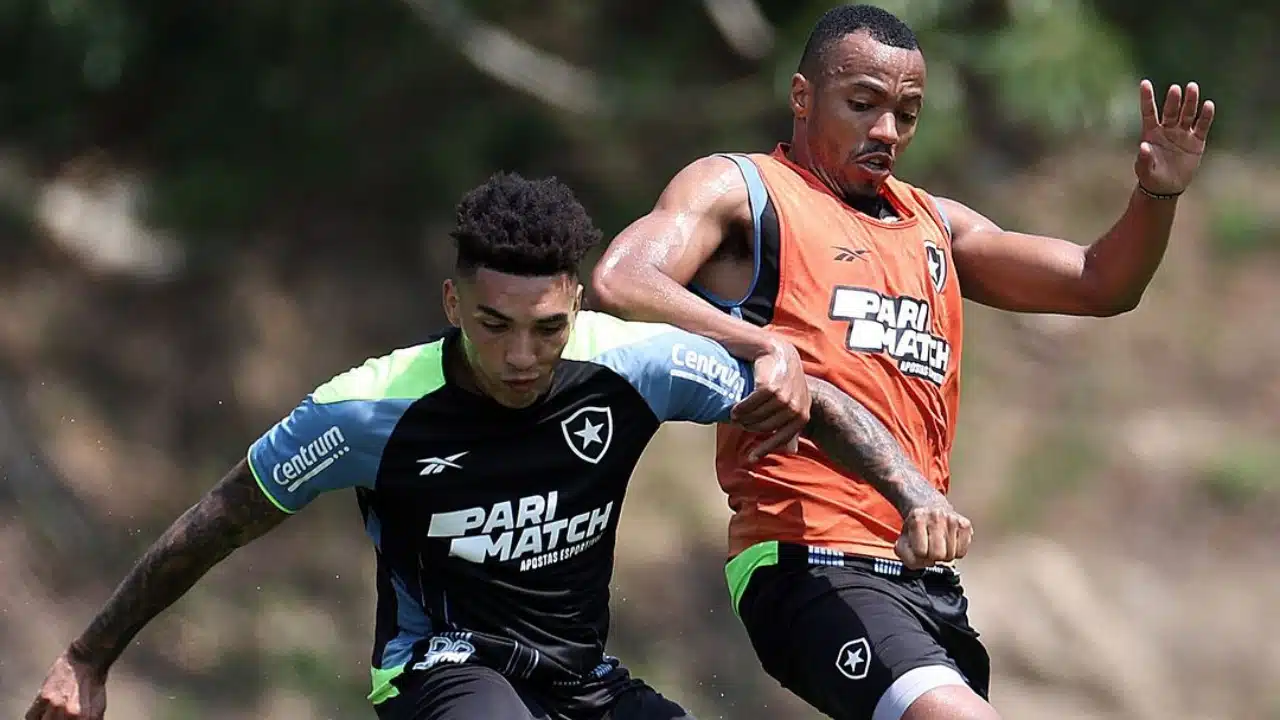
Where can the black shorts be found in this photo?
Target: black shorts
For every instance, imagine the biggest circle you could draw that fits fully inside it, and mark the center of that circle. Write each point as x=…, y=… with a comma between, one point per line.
x=840, y=631
x=474, y=692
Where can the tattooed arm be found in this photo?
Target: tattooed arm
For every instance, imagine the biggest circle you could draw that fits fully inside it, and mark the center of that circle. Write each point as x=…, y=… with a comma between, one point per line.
x=232, y=514
x=855, y=439
x=850, y=434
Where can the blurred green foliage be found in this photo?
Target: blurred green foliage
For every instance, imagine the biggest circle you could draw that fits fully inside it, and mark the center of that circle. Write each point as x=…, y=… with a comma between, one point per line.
x=251, y=112
x=367, y=119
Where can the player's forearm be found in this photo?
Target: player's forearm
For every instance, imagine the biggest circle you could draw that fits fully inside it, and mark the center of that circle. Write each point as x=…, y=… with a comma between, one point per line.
x=234, y=512
x=635, y=290
x=1122, y=262
x=855, y=439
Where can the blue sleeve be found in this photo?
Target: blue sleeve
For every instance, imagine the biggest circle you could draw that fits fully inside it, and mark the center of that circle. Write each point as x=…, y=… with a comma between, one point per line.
x=319, y=447
x=681, y=375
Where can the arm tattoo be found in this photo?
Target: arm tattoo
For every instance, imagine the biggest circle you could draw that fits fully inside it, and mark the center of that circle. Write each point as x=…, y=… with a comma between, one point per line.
x=855, y=439
x=233, y=513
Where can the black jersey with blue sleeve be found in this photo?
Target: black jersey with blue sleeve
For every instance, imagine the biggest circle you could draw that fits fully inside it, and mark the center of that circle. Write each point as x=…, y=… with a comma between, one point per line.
x=495, y=527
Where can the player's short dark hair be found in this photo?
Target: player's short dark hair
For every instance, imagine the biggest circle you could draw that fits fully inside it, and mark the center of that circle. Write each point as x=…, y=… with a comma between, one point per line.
x=522, y=227
x=884, y=27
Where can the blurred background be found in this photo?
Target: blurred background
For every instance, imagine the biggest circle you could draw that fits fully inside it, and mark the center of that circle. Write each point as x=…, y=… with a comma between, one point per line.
x=207, y=209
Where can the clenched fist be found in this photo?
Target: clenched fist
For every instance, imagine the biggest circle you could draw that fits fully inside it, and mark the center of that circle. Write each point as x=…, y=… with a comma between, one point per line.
x=933, y=534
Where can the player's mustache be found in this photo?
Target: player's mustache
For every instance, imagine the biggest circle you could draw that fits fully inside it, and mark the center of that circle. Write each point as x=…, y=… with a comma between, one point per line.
x=874, y=146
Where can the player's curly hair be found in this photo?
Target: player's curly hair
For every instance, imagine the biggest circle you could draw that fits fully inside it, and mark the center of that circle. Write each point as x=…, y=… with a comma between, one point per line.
x=885, y=28
x=523, y=227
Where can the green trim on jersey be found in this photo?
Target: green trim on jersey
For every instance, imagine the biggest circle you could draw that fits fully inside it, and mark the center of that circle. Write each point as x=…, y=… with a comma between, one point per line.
x=405, y=374
x=263, y=486
x=596, y=333
x=383, y=690
x=399, y=378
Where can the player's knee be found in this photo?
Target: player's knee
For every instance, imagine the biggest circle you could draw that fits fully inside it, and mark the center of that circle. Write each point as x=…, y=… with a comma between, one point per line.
x=935, y=692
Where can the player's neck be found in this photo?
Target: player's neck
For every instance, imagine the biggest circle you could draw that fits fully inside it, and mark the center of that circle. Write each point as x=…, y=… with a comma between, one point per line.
x=797, y=151
x=876, y=206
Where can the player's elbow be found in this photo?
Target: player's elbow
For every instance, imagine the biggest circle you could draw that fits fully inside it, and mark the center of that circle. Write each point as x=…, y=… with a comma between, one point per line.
x=1114, y=303
x=1120, y=306
x=612, y=283
x=1102, y=298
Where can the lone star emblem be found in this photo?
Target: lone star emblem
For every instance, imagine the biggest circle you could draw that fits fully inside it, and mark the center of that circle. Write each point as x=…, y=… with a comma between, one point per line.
x=589, y=432
x=854, y=659
x=936, y=261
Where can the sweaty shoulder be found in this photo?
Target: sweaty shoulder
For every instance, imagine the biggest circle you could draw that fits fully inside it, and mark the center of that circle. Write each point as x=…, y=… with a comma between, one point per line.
x=335, y=437
x=711, y=185
x=680, y=375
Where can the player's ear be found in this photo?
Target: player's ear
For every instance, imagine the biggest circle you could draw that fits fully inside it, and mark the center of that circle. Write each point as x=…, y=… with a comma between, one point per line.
x=577, y=298
x=801, y=97
x=449, y=293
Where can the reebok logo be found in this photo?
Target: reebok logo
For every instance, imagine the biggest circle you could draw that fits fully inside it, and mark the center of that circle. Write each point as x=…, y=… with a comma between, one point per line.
x=435, y=465
x=526, y=530
x=311, y=460
x=844, y=254
x=689, y=364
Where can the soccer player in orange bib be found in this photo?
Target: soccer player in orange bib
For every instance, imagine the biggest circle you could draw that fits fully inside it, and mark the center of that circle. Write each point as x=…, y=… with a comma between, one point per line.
x=815, y=259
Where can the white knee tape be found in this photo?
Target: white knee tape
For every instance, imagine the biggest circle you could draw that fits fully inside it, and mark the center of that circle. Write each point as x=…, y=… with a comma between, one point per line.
x=908, y=688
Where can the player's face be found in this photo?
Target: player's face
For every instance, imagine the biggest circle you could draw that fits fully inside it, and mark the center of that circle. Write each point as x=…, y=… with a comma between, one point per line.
x=861, y=113
x=514, y=329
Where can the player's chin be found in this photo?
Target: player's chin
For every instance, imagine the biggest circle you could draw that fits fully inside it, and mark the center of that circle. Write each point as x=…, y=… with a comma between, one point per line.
x=866, y=181
x=518, y=395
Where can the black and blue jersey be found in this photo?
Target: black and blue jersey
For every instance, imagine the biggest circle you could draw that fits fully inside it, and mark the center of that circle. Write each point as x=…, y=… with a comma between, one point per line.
x=495, y=527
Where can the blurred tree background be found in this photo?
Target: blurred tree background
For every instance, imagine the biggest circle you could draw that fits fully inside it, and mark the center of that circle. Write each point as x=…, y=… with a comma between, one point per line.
x=206, y=210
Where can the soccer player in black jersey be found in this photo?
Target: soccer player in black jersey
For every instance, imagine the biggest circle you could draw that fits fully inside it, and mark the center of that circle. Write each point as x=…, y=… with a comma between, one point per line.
x=490, y=465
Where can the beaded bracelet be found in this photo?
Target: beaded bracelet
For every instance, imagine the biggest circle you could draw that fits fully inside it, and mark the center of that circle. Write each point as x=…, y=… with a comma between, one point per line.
x=1158, y=196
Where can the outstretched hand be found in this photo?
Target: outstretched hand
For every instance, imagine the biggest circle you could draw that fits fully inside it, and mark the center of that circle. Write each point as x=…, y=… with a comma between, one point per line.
x=1173, y=141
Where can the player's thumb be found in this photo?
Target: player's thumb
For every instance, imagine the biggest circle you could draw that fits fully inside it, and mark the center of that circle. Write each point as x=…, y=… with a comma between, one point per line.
x=1146, y=158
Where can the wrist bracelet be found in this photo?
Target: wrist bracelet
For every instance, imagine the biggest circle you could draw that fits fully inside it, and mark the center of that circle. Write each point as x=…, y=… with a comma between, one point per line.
x=1158, y=196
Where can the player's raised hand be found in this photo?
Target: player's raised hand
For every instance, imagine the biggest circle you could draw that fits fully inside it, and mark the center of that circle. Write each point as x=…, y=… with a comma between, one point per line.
x=1173, y=138
x=71, y=691
x=779, y=404
x=932, y=534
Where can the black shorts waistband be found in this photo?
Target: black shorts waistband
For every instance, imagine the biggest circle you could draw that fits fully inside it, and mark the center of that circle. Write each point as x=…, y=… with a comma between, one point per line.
x=796, y=555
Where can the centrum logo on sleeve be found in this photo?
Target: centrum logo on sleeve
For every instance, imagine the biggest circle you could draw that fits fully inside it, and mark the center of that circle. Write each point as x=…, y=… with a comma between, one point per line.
x=311, y=459
x=722, y=377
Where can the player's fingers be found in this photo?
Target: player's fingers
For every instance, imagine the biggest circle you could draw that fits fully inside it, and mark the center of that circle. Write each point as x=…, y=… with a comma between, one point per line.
x=752, y=402
x=952, y=522
x=756, y=419
x=785, y=438
x=1190, y=106
x=1147, y=104
x=1205, y=120
x=903, y=550
x=917, y=533
x=939, y=538
x=964, y=535
x=782, y=416
x=1146, y=158
x=1172, y=106
x=766, y=446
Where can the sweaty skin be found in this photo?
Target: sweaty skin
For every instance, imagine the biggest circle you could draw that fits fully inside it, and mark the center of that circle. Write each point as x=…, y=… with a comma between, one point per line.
x=867, y=101
x=855, y=109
